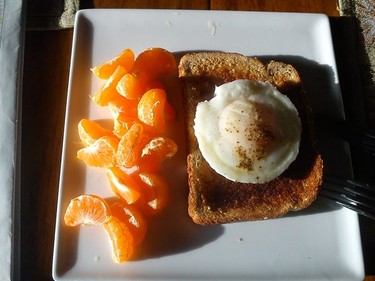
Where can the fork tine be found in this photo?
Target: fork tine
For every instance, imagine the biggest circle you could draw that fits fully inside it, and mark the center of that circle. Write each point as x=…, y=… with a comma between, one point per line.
x=343, y=181
x=357, y=196
x=354, y=197
x=346, y=203
x=353, y=190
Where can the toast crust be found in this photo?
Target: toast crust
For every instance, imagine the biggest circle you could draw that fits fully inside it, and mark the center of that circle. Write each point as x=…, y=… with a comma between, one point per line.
x=213, y=198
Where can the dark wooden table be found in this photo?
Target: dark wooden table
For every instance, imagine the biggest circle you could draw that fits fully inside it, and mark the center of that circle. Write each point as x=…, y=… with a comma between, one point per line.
x=46, y=67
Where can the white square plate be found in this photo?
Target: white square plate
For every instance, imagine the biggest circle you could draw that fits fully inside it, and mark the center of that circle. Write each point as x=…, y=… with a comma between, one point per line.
x=319, y=243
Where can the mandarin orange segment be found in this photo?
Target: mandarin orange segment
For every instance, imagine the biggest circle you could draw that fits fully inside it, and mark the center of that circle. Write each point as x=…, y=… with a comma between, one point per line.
x=122, y=124
x=121, y=239
x=155, y=61
x=119, y=104
x=124, y=113
x=101, y=153
x=108, y=91
x=155, y=152
x=160, y=146
x=87, y=209
x=129, y=148
x=123, y=185
x=151, y=109
x=156, y=194
x=105, y=70
x=133, y=219
x=133, y=85
x=89, y=131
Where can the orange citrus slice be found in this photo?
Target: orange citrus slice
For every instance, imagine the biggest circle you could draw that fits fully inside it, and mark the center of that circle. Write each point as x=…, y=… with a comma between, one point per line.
x=101, y=153
x=155, y=152
x=133, y=85
x=87, y=210
x=155, y=62
x=120, y=238
x=123, y=185
x=108, y=91
x=105, y=70
x=130, y=148
x=156, y=194
x=133, y=219
x=89, y=131
x=151, y=109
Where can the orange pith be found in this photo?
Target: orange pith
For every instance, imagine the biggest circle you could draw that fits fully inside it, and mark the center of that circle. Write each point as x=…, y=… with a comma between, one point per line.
x=105, y=70
x=87, y=210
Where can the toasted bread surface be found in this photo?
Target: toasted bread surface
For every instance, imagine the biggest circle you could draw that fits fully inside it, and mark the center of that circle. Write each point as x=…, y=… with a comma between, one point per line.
x=215, y=199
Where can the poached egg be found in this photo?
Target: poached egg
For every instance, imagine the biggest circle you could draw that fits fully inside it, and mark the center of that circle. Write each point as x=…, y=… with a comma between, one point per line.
x=248, y=132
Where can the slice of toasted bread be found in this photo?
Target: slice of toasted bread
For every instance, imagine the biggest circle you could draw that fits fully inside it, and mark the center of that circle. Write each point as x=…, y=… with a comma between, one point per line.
x=212, y=197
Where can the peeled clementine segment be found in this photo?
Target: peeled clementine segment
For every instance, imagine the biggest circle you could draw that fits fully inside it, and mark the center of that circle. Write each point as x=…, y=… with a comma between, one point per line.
x=122, y=124
x=151, y=109
x=101, y=153
x=87, y=209
x=133, y=85
x=124, y=113
x=156, y=194
x=121, y=239
x=121, y=105
x=105, y=70
x=89, y=131
x=155, y=61
x=123, y=185
x=155, y=152
x=108, y=91
x=129, y=148
x=133, y=219
x=161, y=146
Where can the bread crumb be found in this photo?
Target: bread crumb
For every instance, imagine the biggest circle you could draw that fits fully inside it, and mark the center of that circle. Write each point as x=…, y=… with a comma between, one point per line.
x=96, y=258
x=240, y=239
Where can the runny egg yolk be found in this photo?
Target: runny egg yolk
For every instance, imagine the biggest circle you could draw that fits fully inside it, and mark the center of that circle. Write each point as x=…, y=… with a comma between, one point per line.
x=248, y=132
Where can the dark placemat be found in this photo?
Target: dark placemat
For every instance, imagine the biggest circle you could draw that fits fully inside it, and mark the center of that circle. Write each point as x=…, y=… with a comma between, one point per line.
x=47, y=14
x=363, y=11
x=357, y=25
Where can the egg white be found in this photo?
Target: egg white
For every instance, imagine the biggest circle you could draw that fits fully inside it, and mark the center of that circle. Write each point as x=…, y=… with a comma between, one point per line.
x=248, y=132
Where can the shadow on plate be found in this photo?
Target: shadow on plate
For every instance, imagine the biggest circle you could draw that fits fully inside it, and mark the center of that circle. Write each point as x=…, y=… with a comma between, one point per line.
x=324, y=95
x=174, y=233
